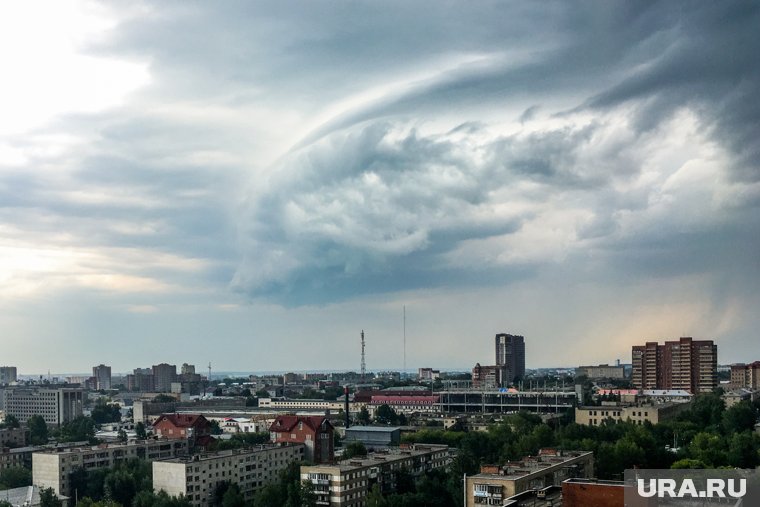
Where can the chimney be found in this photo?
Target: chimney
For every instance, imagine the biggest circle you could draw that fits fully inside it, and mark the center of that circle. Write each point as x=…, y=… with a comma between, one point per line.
x=345, y=391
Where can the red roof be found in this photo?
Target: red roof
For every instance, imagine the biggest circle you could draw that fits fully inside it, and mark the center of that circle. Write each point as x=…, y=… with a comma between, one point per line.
x=183, y=420
x=285, y=423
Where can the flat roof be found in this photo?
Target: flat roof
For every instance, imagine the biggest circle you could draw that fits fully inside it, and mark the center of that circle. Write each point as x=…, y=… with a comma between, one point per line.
x=531, y=465
x=377, y=429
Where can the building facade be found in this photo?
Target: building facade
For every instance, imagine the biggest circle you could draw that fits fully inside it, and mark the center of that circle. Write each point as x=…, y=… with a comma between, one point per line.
x=52, y=469
x=163, y=376
x=745, y=376
x=551, y=467
x=601, y=371
x=57, y=405
x=488, y=377
x=314, y=432
x=687, y=364
x=638, y=414
x=510, y=353
x=348, y=482
x=8, y=374
x=102, y=375
x=197, y=477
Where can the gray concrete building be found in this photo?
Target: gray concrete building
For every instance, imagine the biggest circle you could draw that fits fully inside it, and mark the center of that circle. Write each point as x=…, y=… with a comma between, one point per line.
x=163, y=376
x=8, y=374
x=374, y=437
x=510, y=353
x=102, y=375
x=57, y=405
x=197, y=477
x=52, y=468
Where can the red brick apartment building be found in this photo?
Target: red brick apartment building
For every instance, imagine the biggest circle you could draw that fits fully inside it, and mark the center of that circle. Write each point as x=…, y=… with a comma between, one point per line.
x=691, y=365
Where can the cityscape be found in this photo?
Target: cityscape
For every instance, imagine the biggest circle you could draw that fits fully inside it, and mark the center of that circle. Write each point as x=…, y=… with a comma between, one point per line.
x=397, y=253
x=362, y=438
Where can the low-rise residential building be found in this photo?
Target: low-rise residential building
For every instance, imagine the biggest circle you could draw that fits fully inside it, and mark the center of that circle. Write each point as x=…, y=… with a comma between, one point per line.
x=315, y=432
x=551, y=467
x=347, y=482
x=57, y=405
x=26, y=496
x=13, y=437
x=197, y=477
x=638, y=414
x=193, y=427
x=738, y=395
x=374, y=437
x=51, y=468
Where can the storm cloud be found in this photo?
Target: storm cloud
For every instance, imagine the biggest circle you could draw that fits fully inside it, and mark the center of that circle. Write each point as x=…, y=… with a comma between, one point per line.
x=286, y=162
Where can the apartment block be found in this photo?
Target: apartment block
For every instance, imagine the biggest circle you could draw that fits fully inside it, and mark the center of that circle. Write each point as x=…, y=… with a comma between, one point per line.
x=57, y=405
x=163, y=376
x=551, y=467
x=102, y=376
x=346, y=483
x=197, y=477
x=687, y=364
x=745, y=376
x=8, y=374
x=510, y=353
x=638, y=414
x=52, y=468
x=13, y=437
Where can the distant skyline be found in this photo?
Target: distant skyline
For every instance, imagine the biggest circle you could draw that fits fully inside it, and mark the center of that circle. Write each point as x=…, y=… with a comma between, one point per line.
x=253, y=183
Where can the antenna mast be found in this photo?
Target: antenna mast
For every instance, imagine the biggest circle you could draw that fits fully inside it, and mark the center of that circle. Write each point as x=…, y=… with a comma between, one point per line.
x=404, y=339
x=364, y=365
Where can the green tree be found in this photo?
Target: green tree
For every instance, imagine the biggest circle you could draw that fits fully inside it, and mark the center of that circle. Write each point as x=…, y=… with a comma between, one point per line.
x=140, y=432
x=10, y=421
x=354, y=449
x=105, y=413
x=233, y=497
x=48, y=498
x=5, y=503
x=740, y=417
x=363, y=417
x=386, y=415
x=15, y=477
x=686, y=463
x=38, y=430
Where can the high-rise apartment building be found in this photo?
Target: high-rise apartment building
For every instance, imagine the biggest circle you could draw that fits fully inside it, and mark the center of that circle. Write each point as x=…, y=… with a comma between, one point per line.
x=163, y=376
x=745, y=375
x=691, y=365
x=102, y=375
x=8, y=374
x=510, y=353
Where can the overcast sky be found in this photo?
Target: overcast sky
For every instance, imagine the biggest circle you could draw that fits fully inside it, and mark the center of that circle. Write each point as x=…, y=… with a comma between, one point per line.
x=251, y=184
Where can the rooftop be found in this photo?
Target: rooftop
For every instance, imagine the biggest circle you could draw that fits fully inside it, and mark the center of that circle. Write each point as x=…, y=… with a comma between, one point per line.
x=376, y=429
x=381, y=457
x=230, y=452
x=512, y=470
